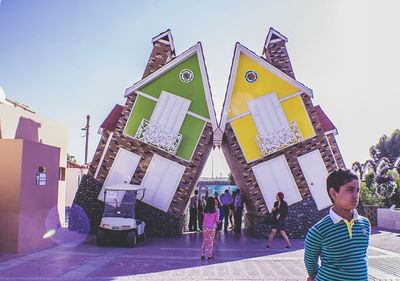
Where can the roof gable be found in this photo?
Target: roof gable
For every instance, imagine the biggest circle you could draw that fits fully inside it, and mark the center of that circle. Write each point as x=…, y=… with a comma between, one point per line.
x=168, y=78
x=239, y=52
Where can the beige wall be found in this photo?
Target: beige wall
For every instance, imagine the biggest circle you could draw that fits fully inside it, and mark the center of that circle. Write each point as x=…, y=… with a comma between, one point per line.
x=10, y=185
x=28, y=211
x=72, y=179
x=51, y=132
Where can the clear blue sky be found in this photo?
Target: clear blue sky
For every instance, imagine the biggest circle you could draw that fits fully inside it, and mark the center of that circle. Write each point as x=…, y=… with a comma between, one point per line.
x=69, y=58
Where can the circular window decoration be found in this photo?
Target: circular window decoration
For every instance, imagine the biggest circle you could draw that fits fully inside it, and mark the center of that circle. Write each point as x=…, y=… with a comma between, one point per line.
x=186, y=76
x=251, y=76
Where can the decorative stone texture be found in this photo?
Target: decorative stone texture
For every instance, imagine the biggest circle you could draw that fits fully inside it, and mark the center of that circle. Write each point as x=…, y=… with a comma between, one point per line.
x=159, y=223
x=371, y=213
x=302, y=216
x=86, y=211
x=336, y=151
x=277, y=55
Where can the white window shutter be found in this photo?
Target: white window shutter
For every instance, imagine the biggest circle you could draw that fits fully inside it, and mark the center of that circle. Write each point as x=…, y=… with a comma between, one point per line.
x=267, y=113
x=158, y=111
x=256, y=117
x=162, y=178
x=170, y=111
x=279, y=111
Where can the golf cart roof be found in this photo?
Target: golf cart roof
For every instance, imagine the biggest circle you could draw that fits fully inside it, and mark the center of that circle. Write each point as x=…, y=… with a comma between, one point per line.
x=125, y=187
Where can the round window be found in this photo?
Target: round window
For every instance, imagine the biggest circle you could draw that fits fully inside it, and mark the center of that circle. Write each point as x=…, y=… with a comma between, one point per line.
x=251, y=76
x=186, y=76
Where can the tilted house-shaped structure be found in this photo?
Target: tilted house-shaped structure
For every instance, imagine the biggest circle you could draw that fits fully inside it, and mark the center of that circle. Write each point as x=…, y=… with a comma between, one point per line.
x=160, y=138
x=273, y=138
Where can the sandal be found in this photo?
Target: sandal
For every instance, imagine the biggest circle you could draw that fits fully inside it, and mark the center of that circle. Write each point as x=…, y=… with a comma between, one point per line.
x=211, y=258
x=203, y=257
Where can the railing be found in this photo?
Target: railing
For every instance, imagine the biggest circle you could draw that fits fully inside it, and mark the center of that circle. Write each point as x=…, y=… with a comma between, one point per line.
x=159, y=137
x=279, y=139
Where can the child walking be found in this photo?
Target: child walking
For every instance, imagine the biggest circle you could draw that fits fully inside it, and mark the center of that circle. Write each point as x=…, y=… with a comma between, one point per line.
x=211, y=216
x=340, y=239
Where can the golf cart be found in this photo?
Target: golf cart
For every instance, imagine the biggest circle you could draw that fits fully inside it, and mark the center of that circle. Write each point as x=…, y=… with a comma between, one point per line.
x=119, y=222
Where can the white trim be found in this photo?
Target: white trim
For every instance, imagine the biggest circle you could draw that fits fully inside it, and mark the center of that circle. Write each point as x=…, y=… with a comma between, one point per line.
x=130, y=115
x=238, y=116
x=241, y=49
x=334, y=132
x=275, y=41
x=198, y=117
x=161, y=70
x=170, y=42
x=228, y=95
x=196, y=49
x=103, y=154
x=298, y=93
x=206, y=86
x=189, y=112
x=198, y=140
x=248, y=112
x=333, y=155
x=146, y=96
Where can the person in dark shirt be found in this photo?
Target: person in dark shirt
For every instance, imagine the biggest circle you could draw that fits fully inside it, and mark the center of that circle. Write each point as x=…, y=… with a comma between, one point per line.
x=280, y=212
x=193, y=211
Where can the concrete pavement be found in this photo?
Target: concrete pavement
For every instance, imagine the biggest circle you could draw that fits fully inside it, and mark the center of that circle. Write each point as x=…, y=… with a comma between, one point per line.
x=238, y=257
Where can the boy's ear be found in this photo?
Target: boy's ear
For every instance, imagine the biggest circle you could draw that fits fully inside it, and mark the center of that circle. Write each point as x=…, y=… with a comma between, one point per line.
x=332, y=193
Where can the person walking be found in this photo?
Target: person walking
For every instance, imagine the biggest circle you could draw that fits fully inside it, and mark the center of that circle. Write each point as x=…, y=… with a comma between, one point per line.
x=341, y=238
x=211, y=215
x=200, y=211
x=193, y=211
x=226, y=201
x=280, y=212
x=238, y=204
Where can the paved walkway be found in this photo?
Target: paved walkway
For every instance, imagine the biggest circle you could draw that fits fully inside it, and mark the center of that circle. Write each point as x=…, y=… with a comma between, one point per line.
x=238, y=257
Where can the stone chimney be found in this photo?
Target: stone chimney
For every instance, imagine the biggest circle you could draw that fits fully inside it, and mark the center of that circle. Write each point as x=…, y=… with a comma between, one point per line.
x=275, y=52
x=163, y=51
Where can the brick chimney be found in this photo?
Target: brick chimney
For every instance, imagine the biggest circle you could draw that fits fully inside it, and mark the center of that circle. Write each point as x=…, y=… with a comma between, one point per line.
x=275, y=52
x=163, y=51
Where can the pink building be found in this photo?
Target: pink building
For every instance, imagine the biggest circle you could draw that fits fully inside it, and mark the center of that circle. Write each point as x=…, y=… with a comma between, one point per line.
x=29, y=174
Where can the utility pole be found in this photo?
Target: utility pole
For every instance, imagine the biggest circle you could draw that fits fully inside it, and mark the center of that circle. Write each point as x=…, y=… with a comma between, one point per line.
x=87, y=136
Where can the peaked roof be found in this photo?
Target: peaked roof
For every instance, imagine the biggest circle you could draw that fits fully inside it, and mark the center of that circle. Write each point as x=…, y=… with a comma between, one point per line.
x=272, y=37
x=235, y=60
x=165, y=38
x=326, y=123
x=196, y=49
x=112, y=119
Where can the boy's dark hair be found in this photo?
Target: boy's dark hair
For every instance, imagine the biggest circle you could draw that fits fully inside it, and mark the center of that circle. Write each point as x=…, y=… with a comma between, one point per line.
x=210, y=206
x=338, y=178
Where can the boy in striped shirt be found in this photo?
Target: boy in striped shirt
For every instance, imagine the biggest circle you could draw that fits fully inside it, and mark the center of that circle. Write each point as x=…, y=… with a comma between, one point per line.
x=340, y=239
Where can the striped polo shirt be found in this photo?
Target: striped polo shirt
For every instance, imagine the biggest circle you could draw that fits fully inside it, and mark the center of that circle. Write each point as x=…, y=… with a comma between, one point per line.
x=342, y=247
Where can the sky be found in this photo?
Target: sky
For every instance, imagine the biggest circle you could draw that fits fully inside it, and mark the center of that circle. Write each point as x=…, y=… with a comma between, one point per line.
x=69, y=58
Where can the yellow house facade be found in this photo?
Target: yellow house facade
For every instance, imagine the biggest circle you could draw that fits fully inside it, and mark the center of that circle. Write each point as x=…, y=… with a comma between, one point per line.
x=255, y=81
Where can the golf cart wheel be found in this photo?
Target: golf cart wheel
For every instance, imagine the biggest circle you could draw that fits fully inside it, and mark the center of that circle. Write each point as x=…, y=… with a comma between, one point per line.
x=131, y=239
x=100, y=237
